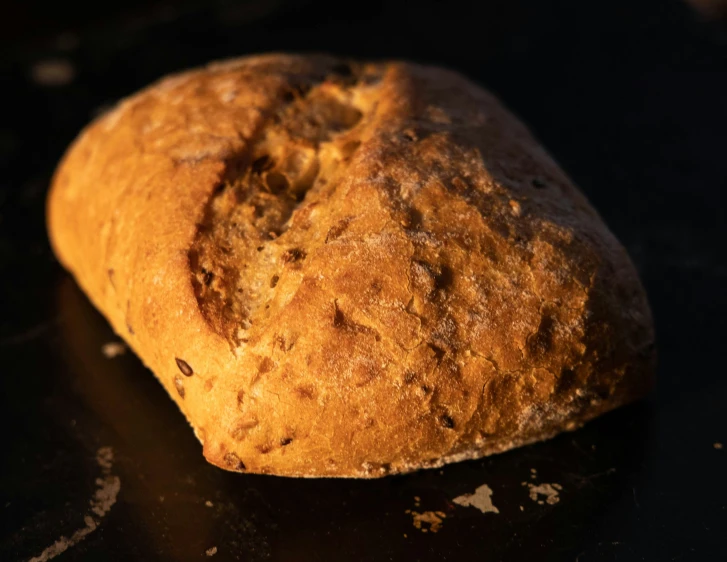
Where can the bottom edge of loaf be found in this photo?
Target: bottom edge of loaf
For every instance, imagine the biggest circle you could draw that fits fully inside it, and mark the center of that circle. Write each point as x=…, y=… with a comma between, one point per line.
x=565, y=425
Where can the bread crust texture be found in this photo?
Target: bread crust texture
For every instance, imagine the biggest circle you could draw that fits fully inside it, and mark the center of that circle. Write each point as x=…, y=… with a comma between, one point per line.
x=348, y=269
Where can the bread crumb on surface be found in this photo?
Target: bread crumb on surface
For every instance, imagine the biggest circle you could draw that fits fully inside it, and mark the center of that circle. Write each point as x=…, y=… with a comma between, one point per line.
x=480, y=499
x=211, y=551
x=113, y=349
x=718, y=446
x=548, y=491
x=208, y=503
x=107, y=490
x=427, y=520
x=53, y=72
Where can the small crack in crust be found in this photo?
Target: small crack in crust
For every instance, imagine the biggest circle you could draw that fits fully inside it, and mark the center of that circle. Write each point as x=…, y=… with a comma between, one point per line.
x=348, y=269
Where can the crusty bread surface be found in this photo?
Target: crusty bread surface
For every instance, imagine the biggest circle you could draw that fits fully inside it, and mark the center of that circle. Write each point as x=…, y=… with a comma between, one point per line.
x=339, y=268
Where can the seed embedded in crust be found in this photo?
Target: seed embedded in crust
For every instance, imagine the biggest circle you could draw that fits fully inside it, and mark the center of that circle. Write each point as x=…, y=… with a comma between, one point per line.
x=184, y=367
x=179, y=385
x=447, y=421
x=234, y=462
x=293, y=255
x=410, y=135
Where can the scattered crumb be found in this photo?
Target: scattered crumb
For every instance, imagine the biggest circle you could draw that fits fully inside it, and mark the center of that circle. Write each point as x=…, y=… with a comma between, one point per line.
x=522, y=508
x=405, y=536
x=718, y=446
x=480, y=499
x=533, y=473
x=107, y=489
x=549, y=491
x=53, y=72
x=113, y=349
x=434, y=519
x=208, y=503
x=211, y=551
x=161, y=499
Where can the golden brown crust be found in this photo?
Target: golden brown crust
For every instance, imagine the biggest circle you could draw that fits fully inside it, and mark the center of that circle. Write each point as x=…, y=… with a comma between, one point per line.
x=345, y=269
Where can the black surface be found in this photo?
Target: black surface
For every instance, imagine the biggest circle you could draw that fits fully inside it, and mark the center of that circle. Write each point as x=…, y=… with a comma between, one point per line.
x=630, y=97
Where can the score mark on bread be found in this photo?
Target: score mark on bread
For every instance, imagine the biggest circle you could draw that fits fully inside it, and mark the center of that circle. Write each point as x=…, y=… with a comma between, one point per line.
x=349, y=269
x=270, y=190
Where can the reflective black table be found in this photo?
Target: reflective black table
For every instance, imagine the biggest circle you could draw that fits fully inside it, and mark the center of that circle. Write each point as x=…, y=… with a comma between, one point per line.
x=98, y=464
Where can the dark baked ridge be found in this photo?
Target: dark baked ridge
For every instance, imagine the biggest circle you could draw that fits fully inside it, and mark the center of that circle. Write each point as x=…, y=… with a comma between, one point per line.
x=430, y=286
x=248, y=240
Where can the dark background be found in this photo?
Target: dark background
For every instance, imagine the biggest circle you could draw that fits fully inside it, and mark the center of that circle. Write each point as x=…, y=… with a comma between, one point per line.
x=630, y=97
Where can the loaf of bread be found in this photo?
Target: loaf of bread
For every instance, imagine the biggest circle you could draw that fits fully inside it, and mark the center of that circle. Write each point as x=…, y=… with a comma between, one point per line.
x=338, y=268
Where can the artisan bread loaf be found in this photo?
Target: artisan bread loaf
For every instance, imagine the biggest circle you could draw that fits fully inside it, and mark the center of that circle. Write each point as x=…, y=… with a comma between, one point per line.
x=346, y=269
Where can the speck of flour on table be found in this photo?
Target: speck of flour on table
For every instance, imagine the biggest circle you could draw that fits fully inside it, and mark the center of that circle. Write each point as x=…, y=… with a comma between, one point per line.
x=107, y=489
x=548, y=492
x=53, y=72
x=480, y=499
x=428, y=520
x=113, y=349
